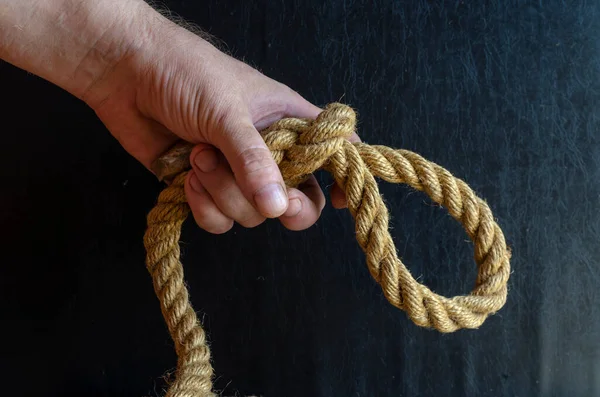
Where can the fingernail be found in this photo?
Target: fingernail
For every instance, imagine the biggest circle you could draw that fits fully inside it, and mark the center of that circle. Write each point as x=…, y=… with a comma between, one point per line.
x=207, y=160
x=271, y=200
x=294, y=207
x=195, y=183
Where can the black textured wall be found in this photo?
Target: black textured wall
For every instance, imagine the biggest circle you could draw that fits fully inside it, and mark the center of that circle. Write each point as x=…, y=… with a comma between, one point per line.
x=504, y=94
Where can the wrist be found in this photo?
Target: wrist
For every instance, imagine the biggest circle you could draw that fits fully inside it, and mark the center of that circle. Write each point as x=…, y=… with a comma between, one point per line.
x=143, y=56
x=110, y=60
x=71, y=43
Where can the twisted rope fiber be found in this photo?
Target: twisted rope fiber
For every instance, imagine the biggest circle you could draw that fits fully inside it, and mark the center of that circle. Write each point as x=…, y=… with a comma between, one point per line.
x=300, y=147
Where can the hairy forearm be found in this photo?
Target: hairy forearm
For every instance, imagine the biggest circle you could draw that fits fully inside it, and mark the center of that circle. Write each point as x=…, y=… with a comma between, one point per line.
x=71, y=43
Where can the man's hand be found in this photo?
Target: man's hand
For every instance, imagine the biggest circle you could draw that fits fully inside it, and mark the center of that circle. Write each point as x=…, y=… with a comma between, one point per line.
x=153, y=82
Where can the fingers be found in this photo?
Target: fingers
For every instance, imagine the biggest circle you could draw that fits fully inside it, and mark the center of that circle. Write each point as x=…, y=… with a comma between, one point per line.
x=338, y=198
x=206, y=213
x=217, y=202
x=215, y=176
x=255, y=171
x=306, y=204
x=241, y=183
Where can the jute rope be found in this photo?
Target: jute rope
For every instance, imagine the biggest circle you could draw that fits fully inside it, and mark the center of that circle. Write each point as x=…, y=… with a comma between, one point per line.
x=301, y=147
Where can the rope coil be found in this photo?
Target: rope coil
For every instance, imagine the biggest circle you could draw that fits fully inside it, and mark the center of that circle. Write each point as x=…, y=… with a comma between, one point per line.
x=300, y=147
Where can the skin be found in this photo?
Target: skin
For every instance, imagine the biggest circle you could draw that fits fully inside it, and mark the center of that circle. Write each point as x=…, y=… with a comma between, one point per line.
x=152, y=82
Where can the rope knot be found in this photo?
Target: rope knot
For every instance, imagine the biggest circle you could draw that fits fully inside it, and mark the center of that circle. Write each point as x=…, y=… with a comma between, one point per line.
x=302, y=146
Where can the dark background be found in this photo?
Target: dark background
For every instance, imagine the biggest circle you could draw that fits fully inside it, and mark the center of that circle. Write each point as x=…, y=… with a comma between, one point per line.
x=504, y=94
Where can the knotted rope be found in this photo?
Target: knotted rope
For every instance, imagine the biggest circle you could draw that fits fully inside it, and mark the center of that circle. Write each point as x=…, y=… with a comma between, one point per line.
x=301, y=147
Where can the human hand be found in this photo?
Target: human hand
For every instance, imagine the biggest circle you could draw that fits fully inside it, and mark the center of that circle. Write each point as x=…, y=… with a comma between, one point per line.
x=176, y=85
x=152, y=83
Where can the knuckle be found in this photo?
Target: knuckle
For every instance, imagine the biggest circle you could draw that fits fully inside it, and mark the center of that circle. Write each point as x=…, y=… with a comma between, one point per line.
x=222, y=189
x=257, y=162
x=252, y=221
x=222, y=113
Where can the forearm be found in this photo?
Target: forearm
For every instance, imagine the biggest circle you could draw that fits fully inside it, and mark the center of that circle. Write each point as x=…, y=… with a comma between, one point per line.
x=71, y=43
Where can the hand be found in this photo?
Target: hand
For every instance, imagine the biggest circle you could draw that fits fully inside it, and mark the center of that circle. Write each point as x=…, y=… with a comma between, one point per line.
x=178, y=85
x=153, y=82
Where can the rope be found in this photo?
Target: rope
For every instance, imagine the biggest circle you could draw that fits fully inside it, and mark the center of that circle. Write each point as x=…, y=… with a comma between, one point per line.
x=301, y=147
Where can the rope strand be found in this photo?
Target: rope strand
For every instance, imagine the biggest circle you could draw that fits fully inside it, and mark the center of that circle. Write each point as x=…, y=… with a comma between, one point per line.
x=300, y=147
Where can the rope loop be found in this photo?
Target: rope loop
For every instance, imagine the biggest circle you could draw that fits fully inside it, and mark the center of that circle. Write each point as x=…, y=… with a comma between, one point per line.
x=300, y=147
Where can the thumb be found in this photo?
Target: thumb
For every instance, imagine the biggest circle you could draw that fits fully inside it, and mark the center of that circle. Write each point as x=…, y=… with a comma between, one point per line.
x=255, y=171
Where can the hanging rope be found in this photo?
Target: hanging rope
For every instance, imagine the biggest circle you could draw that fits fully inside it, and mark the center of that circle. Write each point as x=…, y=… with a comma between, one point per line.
x=300, y=147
